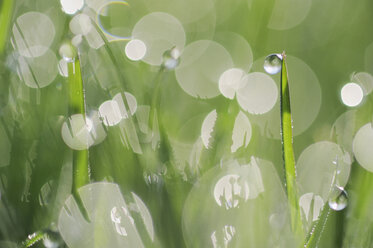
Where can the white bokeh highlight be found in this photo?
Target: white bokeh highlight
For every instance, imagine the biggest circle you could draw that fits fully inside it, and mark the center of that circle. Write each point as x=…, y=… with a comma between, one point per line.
x=230, y=82
x=70, y=7
x=76, y=132
x=321, y=163
x=33, y=34
x=201, y=65
x=352, y=94
x=160, y=32
x=362, y=146
x=135, y=50
x=305, y=203
x=258, y=93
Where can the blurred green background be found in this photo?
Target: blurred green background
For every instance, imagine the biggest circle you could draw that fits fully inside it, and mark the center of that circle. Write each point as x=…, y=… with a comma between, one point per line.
x=157, y=152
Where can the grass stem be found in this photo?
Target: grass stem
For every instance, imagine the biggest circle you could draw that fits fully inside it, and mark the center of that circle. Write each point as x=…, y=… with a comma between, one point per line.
x=77, y=106
x=288, y=151
x=5, y=20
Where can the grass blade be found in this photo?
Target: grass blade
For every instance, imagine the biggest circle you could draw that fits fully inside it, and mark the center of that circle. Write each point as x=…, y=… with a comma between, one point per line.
x=314, y=236
x=77, y=106
x=359, y=216
x=288, y=151
x=5, y=19
x=33, y=239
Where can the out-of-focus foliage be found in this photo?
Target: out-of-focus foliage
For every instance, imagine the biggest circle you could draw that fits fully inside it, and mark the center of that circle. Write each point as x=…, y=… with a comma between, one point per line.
x=179, y=124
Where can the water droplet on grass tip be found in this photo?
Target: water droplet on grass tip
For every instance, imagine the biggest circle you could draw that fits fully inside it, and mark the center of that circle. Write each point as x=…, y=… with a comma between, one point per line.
x=272, y=63
x=68, y=52
x=171, y=58
x=338, y=199
x=52, y=240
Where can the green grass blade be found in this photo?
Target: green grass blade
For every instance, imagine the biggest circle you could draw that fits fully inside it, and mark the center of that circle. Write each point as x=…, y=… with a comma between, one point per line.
x=77, y=106
x=359, y=216
x=33, y=239
x=288, y=151
x=314, y=236
x=5, y=19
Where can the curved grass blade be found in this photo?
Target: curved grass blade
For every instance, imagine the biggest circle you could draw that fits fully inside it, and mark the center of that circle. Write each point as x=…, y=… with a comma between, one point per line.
x=32, y=239
x=5, y=19
x=314, y=236
x=288, y=151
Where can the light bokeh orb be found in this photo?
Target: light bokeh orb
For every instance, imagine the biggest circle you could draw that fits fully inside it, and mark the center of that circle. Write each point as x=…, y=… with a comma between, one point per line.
x=135, y=50
x=110, y=113
x=362, y=147
x=38, y=72
x=365, y=80
x=160, y=32
x=352, y=94
x=33, y=34
x=75, y=132
x=288, y=14
x=81, y=24
x=70, y=7
x=230, y=81
x=311, y=205
x=258, y=93
x=201, y=64
x=319, y=165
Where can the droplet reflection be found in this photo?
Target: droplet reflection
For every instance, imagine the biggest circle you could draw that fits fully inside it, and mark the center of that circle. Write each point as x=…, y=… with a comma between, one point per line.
x=68, y=52
x=338, y=199
x=171, y=58
x=273, y=63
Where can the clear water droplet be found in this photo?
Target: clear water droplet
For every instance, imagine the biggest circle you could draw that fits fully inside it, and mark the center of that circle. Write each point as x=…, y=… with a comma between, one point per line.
x=151, y=178
x=68, y=52
x=171, y=58
x=338, y=199
x=52, y=239
x=272, y=63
